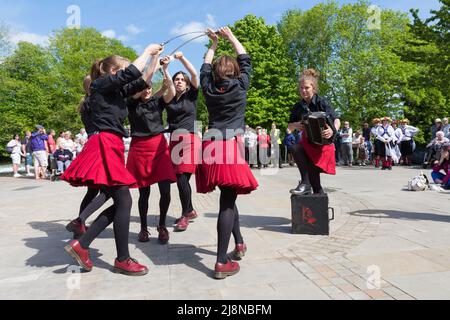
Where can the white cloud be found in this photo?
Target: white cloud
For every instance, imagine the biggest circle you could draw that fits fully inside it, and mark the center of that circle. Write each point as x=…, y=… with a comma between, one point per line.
x=210, y=21
x=109, y=33
x=132, y=29
x=192, y=26
x=30, y=37
x=122, y=38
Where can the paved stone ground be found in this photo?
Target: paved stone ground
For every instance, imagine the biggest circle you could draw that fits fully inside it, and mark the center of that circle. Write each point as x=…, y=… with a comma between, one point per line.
x=378, y=228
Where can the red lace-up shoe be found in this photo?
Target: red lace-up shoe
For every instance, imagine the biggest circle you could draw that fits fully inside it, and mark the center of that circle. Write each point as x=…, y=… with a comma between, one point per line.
x=77, y=228
x=190, y=216
x=221, y=270
x=80, y=254
x=144, y=236
x=182, y=224
x=163, y=235
x=239, y=251
x=130, y=267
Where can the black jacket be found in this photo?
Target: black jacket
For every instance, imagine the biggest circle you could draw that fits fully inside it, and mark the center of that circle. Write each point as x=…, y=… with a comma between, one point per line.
x=226, y=100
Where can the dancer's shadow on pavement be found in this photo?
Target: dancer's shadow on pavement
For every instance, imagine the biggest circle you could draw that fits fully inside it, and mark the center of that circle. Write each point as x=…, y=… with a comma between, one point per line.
x=50, y=247
x=274, y=224
x=402, y=215
x=173, y=254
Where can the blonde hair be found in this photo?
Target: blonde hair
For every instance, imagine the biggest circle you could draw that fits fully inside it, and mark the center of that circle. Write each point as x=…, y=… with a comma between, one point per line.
x=311, y=75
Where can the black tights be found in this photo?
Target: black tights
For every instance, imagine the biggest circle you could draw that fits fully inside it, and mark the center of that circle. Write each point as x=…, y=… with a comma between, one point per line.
x=227, y=223
x=184, y=188
x=164, y=202
x=90, y=195
x=119, y=215
x=309, y=172
x=94, y=205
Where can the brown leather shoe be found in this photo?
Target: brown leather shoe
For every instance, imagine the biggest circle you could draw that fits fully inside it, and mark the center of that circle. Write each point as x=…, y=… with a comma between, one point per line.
x=163, y=235
x=144, y=236
x=221, y=270
x=80, y=254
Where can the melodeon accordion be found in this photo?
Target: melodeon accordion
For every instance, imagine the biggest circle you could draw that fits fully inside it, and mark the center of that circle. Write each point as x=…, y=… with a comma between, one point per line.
x=315, y=123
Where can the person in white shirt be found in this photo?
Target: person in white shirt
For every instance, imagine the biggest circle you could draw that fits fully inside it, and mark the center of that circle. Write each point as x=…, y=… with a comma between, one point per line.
x=252, y=147
x=397, y=140
x=407, y=144
x=16, y=154
x=385, y=134
x=346, y=134
x=82, y=135
x=376, y=143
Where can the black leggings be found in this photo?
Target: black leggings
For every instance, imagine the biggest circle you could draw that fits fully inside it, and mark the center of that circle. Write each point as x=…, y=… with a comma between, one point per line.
x=119, y=215
x=184, y=188
x=164, y=202
x=94, y=205
x=90, y=195
x=309, y=172
x=227, y=223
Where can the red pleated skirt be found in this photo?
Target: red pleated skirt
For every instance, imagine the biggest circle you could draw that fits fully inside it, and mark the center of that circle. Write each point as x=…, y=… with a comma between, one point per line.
x=185, y=151
x=223, y=165
x=149, y=161
x=100, y=163
x=321, y=156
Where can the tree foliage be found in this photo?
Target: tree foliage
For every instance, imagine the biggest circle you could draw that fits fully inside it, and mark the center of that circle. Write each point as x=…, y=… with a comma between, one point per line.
x=360, y=73
x=43, y=85
x=273, y=85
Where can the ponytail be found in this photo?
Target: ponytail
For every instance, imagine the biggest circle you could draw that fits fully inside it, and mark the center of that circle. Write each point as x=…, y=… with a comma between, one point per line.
x=102, y=67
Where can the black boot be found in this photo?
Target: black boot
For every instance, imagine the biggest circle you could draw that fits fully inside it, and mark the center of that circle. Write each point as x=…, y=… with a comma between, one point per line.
x=302, y=189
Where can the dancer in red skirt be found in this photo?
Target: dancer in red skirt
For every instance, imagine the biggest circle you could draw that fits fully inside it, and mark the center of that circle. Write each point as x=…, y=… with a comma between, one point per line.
x=102, y=163
x=225, y=84
x=312, y=159
x=149, y=157
x=93, y=199
x=185, y=145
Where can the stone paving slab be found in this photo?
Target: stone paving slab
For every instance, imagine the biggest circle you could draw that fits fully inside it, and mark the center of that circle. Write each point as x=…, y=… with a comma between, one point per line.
x=405, y=236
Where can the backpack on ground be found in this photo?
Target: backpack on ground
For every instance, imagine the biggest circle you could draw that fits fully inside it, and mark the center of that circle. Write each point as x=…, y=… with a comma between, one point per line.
x=418, y=183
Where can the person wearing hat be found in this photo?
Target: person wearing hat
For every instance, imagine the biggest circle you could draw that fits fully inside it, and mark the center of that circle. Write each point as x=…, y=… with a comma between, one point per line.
x=437, y=126
x=373, y=133
x=406, y=141
x=385, y=138
x=39, y=150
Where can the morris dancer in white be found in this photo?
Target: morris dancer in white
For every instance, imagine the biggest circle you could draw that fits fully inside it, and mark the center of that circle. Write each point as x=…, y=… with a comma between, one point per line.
x=407, y=144
x=385, y=134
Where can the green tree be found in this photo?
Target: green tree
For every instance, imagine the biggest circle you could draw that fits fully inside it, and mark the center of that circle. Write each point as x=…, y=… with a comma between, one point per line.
x=44, y=84
x=360, y=73
x=427, y=95
x=273, y=85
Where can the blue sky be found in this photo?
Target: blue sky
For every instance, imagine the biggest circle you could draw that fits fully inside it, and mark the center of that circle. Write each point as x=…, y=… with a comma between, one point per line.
x=138, y=23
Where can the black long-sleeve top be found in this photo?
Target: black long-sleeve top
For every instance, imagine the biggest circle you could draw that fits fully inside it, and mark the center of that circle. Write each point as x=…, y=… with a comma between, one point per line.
x=108, y=95
x=182, y=113
x=86, y=117
x=317, y=104
x=226, y=99
x=146, y=117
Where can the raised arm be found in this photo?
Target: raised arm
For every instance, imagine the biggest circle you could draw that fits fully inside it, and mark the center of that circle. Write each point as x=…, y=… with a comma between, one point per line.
x=171, y=91
x=152, y=50
x=189, y=67
x=226, y=33
x=212, y=50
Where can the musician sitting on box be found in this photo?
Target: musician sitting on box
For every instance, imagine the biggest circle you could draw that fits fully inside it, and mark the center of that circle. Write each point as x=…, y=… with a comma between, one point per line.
x=313, y=156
